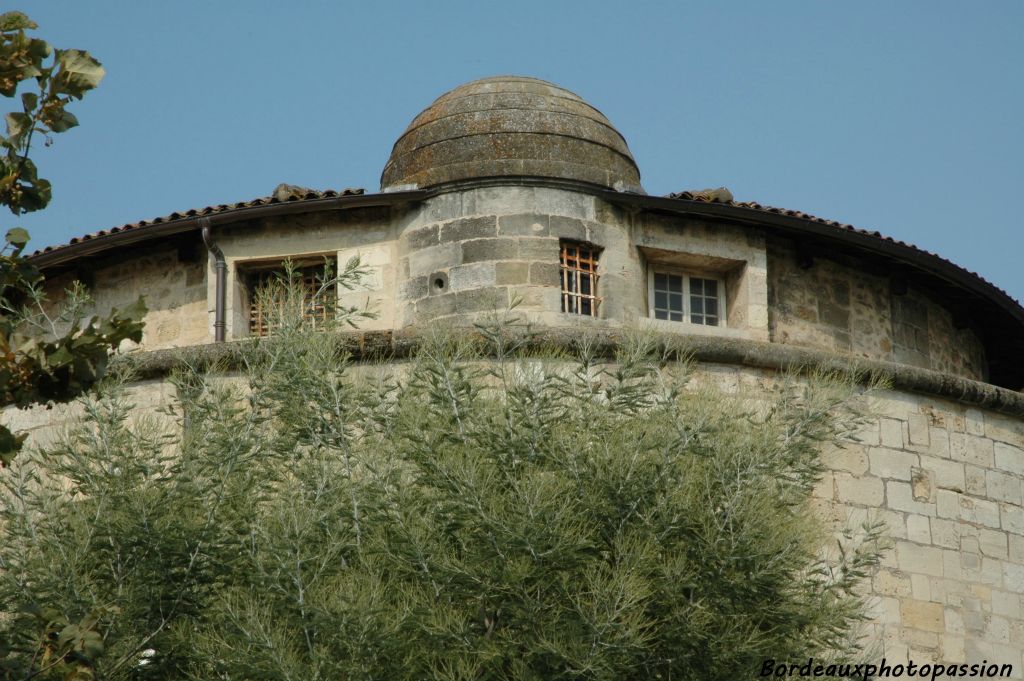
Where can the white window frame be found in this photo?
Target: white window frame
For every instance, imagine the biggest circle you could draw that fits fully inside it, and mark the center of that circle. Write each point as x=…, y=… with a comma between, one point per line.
x=686, y=274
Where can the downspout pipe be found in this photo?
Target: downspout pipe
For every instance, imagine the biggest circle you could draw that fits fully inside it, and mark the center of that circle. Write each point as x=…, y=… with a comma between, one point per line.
x=220, y=325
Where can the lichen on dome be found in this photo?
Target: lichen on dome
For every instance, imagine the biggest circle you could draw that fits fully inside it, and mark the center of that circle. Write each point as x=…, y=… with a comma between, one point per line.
x=510, y=126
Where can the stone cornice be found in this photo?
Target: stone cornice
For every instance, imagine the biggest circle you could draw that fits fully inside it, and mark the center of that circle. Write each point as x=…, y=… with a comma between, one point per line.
x=376, y=346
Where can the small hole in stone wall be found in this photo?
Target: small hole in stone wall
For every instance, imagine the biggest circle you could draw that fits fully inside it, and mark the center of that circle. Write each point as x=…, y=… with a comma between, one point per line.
x=438, y=283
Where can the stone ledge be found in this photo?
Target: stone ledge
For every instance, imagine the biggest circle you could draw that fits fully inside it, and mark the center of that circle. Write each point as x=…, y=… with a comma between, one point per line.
x=390, y=345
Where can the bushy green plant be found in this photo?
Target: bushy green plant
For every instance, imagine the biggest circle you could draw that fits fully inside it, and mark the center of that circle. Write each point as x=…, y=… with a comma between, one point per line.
x=481, y=511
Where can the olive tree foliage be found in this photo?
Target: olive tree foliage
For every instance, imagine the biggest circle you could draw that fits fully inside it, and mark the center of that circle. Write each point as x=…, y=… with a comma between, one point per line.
x=46, y=355
x=484, y=510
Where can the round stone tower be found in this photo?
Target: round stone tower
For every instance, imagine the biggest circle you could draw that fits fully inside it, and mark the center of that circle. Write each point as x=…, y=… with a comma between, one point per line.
x=512, y=189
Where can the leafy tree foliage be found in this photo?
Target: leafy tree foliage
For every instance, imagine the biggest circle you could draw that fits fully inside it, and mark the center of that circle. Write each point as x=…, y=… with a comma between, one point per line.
x=483, y=511
x=43, y=359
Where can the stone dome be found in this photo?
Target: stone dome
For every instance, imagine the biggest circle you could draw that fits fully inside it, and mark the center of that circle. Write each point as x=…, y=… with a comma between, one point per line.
x=509, y=126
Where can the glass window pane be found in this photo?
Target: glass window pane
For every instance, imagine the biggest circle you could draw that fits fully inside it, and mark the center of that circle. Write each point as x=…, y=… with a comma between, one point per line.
x=661, y=314
x=675, y=283
x=676, y=302
x=697, y=318
x=711, y=306
x=711, y=321
x=710, y=287
x=696, y=286
x=660, y=300
x=677, y=316
x=696, y=305
x=660, y=281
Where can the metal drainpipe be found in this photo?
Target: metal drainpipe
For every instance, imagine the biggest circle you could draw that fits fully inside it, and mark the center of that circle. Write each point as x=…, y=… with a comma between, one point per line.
x=221, y=266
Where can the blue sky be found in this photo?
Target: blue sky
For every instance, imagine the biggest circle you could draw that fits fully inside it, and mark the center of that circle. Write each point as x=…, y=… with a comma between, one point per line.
x=903, y=117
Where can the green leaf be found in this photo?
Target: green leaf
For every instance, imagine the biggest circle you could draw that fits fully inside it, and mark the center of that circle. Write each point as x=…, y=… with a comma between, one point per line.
x=65, y=121
x=29, y=101
x=68, y=634
x=10, y=445
x=78, y=73
x=36, y=196
x=92, y=644
x=17, y=236
x=16, y=21
x=18, y=124
x=61, y=357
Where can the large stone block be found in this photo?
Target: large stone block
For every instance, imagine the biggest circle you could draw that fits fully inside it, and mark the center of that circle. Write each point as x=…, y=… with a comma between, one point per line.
x=476, y=275
x=464, y=229
x=567, y=228
x=916, y=559
x=527, y=224
x=947, y=474
x=1003, y=486
x=891, y=464
x=540, y=249
x=429, y=260
x=481, y=300
x=489, y=249
x=510, y=273
x=544, y=273
x=421, y=238
x=971, y=449
x=899, y=496
x=868, y=491
x=1009, y=458
x=891, y=432
x=923, y=615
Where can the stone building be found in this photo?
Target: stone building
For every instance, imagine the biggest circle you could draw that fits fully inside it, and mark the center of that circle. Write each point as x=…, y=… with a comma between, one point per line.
x=513, y=188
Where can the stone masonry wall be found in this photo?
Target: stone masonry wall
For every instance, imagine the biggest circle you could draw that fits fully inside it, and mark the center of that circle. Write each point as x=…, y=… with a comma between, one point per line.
x=947, y=480
x=837, y=307
x=465, y=253
x=173, y=286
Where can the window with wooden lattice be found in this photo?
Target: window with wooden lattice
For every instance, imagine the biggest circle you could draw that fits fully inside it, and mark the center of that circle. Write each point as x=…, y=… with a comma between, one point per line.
x=309, y=288
x=579, y=276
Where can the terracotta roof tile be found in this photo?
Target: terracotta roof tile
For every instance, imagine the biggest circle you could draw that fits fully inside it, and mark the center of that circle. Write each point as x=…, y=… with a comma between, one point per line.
x=204, y=212
x=704, y=196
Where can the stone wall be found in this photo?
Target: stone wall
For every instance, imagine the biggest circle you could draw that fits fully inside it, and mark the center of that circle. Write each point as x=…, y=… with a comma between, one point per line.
x=464, y=253
x=338, y=236
x=947, y=480
x=822, y=303
x=172, y=281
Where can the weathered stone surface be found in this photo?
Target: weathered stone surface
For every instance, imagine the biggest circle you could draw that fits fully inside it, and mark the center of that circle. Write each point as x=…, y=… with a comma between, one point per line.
x=544, y=273
x=469, y=228
x=481, y=300
x=476, y=275
x=922, y=615
x=529, y=224
x=543, y=249
x=568, y=228
x=510, y=273
x=510, y=126
x=489, y=249
x=421, y=238
x=833, y=304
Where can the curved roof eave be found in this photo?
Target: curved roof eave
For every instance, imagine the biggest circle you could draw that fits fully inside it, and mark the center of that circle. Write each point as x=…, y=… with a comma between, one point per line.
x=104, y=240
